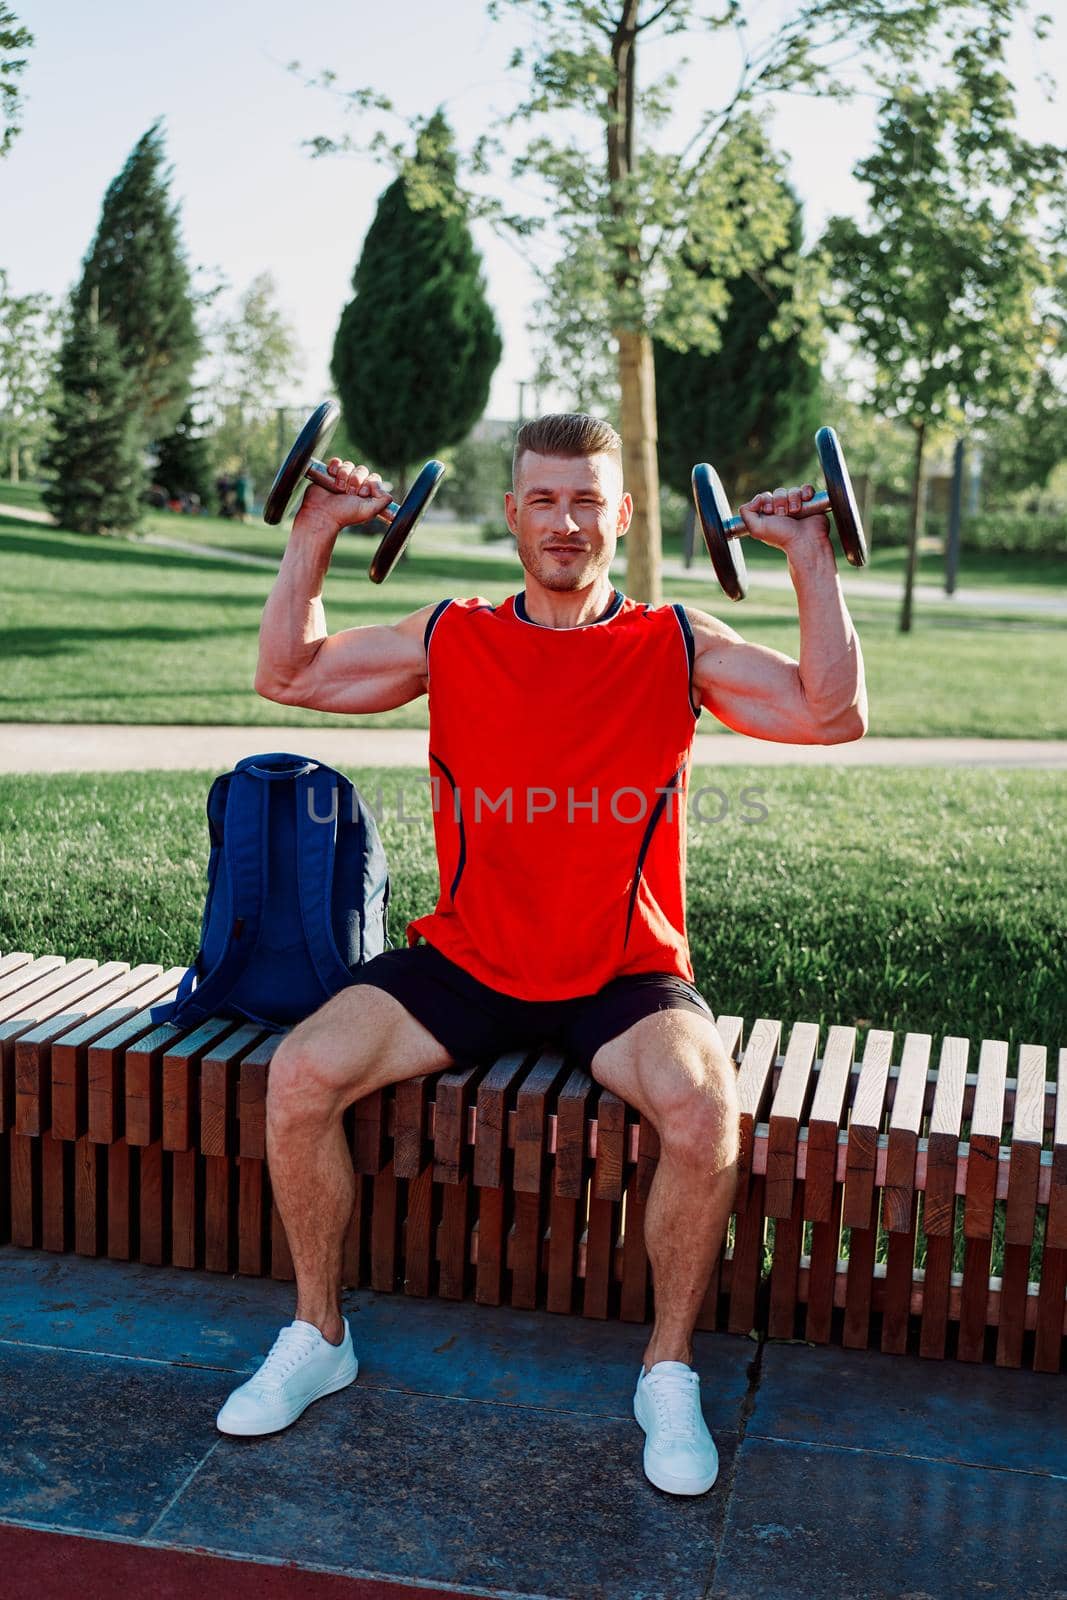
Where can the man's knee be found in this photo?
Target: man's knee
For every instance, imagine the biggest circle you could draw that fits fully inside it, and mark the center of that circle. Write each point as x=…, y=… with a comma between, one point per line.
x=327, y=1061
x=695, y=1107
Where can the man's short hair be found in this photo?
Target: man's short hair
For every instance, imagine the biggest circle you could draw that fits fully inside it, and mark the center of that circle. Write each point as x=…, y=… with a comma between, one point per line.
x=565, y=433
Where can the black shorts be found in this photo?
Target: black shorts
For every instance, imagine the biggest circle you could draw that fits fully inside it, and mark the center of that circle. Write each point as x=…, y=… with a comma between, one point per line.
x=477, y=1024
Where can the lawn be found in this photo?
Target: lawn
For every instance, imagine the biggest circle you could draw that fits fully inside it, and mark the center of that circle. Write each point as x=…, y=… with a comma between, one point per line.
x=926, y=899
x=915, y=903
x=117, y=630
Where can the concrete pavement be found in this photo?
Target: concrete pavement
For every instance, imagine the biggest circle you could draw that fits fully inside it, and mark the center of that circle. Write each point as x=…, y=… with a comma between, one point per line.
x=121, y=747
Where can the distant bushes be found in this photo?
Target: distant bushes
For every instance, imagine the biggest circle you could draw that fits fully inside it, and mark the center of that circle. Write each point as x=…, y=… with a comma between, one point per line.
x=1006, y=532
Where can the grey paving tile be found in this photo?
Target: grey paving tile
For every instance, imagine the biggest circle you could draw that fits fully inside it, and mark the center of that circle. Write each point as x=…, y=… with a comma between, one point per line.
x=453, y=1492
x=91, y=1443
x=418, y=1346
x=809, y=1522
x=947, y=1410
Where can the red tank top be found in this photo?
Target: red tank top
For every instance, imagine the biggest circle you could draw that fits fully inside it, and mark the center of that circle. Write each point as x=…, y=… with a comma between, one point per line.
x=559, y=765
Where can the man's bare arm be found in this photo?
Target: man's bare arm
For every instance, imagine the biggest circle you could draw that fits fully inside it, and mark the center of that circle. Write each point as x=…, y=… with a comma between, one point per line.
x=372, y=668
x=820, y=699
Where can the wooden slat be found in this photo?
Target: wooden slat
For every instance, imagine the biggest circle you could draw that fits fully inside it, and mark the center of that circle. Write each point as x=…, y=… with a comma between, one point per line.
x=252, y=1153
x=825, y=1123
x=497, y=1093
x=987, y=1120
x=568, y=1183
x=899, y=1183
x=219, y=1141
x=755, y=1089
x=24, y=973
x=530, y=1179
x=860, y=1206
x=1052, y=1295
x=786, y=1113
x=939, y=1206
x=1027, y=1134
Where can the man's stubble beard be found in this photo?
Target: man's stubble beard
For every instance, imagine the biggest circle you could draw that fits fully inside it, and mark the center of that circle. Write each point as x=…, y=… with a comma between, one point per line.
x=566, y=579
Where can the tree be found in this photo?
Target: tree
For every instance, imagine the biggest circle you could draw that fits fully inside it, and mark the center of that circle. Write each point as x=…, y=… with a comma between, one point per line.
x=12, y=38
x=1021, y=450
x=751, y=406
x=28, y=333
x=185, y=464
x=417, y=346
x=255, y=352
x=644, y=239
x=137, y=266
x=95, y=460
x=951, y=286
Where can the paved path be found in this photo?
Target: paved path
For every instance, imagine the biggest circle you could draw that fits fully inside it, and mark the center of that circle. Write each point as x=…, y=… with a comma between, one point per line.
x=117, y=747
x=490, y=1451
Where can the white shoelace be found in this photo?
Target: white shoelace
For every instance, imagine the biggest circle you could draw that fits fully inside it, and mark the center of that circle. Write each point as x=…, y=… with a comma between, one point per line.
x=677, y=1402
x=288, y=1349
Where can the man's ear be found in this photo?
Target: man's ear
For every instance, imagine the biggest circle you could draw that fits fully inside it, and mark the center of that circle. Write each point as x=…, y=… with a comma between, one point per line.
x=626, y=511
x=510, y=513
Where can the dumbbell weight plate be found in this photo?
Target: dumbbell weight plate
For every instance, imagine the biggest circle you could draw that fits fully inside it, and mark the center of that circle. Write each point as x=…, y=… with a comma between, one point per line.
x=402, y=526
x=713, y=510
x=842, y=498
x=310, y=442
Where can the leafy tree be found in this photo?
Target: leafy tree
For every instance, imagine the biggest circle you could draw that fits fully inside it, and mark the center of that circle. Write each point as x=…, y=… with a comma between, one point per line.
x=28, y=336
x=751, y=406
x=255, y=354
x=951, y=286
x=13, y=38
x=643, y=232
x=185, y=464
x=137, y=265
x=417, y=346
x=1021, y=450
x=95, y=460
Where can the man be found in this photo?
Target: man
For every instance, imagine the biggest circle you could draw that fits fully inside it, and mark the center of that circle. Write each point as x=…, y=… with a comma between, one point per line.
x=561, y=725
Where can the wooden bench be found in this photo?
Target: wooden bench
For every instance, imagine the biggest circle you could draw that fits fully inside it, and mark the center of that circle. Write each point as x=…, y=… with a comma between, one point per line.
x=521, y=1181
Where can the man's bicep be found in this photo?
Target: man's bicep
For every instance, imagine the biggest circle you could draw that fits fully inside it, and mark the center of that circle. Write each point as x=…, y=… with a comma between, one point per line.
x=749, y=687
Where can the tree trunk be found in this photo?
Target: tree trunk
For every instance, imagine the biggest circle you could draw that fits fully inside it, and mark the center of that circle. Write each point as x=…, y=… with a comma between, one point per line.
x=637, y=380
x=14, y=463
x=915, y=525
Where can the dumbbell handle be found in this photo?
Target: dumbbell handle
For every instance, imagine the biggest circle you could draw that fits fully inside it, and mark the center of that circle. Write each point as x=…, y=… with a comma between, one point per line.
x=388, y=512
x=734, y=527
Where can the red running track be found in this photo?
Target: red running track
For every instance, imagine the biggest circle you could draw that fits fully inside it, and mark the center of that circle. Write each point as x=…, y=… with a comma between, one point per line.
x=38, y=1565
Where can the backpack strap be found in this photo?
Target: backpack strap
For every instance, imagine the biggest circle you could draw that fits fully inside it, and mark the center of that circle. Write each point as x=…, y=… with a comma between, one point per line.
x=319, y=797
x=245, y=857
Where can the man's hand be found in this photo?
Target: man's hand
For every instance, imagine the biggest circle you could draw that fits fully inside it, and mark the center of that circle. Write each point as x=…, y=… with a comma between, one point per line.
x=358, y=496
x=772, y=518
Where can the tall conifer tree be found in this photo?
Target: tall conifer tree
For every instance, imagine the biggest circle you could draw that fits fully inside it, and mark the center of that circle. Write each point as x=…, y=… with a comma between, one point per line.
x=95, y=460
x=752, y=406
x=137, y=265
x=417, y=347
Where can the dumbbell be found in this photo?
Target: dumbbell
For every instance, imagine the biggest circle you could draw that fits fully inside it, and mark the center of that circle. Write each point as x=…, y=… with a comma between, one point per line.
x=302, y=462
x=722, y=529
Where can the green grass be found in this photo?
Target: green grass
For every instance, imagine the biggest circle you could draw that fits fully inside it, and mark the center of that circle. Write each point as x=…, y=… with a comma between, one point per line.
x=925, y=900
x=113, y=630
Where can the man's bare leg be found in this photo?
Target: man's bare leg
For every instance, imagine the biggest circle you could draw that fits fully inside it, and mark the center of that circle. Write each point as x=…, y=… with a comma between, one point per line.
x=671, y=1066
x=359, y=1041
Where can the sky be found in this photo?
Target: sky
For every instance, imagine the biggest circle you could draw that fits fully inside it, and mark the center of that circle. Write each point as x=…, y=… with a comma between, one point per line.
x=252, y=199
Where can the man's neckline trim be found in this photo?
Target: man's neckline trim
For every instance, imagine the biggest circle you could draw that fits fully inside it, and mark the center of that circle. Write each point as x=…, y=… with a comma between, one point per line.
x=615, y=606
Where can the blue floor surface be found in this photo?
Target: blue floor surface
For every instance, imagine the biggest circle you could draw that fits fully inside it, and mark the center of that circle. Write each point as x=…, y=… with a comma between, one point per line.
x=495, y=1451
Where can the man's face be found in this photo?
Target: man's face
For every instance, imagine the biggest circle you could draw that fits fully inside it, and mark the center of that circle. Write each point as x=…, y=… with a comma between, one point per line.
x=567, y=514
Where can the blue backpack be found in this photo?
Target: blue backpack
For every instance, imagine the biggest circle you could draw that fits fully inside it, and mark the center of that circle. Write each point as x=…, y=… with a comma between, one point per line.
x=297, y=894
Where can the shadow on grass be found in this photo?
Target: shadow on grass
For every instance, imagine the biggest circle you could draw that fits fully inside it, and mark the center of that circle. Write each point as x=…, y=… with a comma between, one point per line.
x=65, y=640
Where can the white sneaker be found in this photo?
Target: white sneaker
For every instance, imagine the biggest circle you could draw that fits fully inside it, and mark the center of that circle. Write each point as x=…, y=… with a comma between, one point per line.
x=302, y=1366
x=680, y=1454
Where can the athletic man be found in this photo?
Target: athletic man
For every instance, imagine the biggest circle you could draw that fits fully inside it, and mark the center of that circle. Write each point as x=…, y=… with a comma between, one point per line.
x=561, y=723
